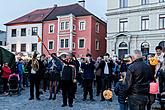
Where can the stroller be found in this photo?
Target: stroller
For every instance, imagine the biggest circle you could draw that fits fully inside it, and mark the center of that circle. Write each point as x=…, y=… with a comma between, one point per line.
x=14, y=84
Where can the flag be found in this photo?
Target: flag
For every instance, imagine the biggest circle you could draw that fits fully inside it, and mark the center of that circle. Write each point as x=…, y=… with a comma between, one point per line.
x=39, y=39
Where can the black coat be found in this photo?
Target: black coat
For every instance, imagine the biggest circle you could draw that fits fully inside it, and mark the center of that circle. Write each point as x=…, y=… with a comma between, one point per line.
x=120, y=91
x=138, y=78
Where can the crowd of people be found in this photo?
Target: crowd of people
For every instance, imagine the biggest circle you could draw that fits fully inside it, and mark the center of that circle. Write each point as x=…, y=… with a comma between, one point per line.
x=129, y=77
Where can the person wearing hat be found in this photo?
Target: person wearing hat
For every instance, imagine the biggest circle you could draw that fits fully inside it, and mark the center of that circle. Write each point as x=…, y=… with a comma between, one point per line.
x=67, y=79
x=34, y=75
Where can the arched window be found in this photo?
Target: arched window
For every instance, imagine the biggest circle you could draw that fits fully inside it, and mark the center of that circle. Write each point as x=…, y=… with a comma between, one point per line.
x=123, y=44
x=162, y=44
x=145, y=48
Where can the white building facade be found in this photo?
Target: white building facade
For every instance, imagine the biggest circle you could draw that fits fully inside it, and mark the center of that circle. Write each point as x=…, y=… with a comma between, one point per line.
x=24, y=38
x=135, y=24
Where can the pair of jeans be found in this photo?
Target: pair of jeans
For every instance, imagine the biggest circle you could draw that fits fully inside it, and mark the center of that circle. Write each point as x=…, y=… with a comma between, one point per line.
x=88, y=88
x=137, y=102
x=124, y=106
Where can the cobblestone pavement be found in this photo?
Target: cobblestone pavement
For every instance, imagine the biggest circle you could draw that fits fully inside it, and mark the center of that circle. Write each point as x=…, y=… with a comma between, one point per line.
x=22, y=103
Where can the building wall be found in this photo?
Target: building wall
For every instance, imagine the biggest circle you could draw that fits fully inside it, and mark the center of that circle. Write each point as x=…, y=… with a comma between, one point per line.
x=28, y=39
x=134, y=36
x=3, y=38
x=89, y=35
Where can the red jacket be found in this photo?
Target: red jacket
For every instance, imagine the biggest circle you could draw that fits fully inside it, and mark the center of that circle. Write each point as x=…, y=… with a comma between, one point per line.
x=5, y=72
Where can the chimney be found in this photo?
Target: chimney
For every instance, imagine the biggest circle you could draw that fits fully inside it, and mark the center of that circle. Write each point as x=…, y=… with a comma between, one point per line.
x=82, y=3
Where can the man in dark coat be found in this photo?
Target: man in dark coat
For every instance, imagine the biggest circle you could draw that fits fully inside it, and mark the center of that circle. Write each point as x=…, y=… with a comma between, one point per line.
x=67, y=80
x=138, y=78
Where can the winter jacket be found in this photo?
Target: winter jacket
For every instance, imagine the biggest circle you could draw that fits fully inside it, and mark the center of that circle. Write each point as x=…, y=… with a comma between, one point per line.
x=20, y=68
x=120, y=91
x=69, y=71
x=6, y=72
x=111, y=65
x=88, y=70
x=138, y=78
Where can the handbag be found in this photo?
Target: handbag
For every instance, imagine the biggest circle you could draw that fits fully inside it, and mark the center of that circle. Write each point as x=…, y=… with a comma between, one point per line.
x=154, y=88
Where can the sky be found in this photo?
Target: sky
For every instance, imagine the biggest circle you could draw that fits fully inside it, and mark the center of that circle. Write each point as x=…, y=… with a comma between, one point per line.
x=12, y=9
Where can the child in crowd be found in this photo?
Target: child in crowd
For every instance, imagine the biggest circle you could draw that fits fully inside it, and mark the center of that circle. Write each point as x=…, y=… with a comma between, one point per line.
x=121, y=93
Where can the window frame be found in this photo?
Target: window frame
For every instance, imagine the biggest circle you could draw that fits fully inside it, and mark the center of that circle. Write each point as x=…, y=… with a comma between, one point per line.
x=22, y=48
x=12, y=47
x=145, y=20
x=123, y=24
x=79, y=43
x=53, y=26
x=161, y=1
x=32, y=46
x=123, y=3
x=97, y=47
x=13, y=35
x=21, y=32
x=162, y=17
x=84, y=27
x=64, y=45
x=35, y=30
x=144, y=2
x=52, y=44
x=65, y=26
x=97, y=27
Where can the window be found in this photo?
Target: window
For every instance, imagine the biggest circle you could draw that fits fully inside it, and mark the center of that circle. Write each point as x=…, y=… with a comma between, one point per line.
x=123, y=44
x=161, y=1
x=123, y=25
x=64, y=43
x=23, y=47
x=74, y=27
x=51, y=28
x=162, y=21
x=64, y=25
x=34, y=47
x=82, y=25
x=13, y=47
x=123, y=3
x=74, y=45
x=97, y=45
x=51, y=45
x=23, y=32
x=144, y=2
x=144, y=22
x=34, y=31
x=13, y=32
x=0, y=42
x=81, y=43
x=97, y=27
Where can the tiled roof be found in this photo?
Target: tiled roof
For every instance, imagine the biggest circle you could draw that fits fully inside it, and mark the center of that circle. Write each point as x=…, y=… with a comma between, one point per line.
x=32, y=17
x=74, y=9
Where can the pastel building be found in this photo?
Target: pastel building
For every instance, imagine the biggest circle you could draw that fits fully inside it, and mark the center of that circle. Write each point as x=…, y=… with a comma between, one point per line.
x=22, y=32
x=135, y=24
x=73, y=29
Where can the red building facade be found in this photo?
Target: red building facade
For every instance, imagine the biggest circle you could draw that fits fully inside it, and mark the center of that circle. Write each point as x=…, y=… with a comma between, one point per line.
x=73, y=29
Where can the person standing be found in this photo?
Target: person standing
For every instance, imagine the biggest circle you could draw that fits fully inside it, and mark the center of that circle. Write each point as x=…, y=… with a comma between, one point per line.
x=98, y=75
x=55, y=67
x=34, y=72
x=107, y=66
x=138, y=78
x=5, y=75
x=67, y=80
x=88, y=75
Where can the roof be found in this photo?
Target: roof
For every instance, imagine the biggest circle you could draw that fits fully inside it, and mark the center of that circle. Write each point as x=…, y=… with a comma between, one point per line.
x=39, y=15
x=74, y=9
x=32, y=17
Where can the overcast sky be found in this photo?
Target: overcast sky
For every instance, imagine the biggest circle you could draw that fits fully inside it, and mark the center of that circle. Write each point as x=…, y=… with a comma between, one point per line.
x=12, y=9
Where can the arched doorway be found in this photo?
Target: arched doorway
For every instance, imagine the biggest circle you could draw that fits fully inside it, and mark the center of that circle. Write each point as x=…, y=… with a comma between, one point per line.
x=145, y=48
x=162, y=44
x=123, y=50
